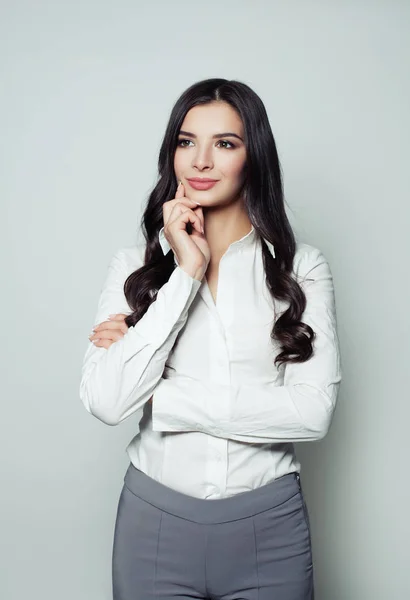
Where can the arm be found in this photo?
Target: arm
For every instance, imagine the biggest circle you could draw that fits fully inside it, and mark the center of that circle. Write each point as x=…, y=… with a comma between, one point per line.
x=299, y=410
x=165, y=246
x=117, y=381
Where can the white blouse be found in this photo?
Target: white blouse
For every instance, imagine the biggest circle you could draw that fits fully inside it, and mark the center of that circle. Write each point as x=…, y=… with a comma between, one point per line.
x=225, y=419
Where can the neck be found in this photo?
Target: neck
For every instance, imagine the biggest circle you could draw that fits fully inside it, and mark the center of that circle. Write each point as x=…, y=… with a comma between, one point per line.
x=223, y=226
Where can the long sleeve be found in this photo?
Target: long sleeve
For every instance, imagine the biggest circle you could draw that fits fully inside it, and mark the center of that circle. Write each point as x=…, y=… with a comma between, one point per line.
x=299, y=410
x=117, y=381
x=163, y=242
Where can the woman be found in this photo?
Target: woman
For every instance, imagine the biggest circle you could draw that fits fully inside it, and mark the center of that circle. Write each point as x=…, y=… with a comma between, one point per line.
x=223, y=329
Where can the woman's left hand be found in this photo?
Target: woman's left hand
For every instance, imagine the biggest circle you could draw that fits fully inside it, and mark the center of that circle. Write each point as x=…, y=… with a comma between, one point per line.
x=106, y=333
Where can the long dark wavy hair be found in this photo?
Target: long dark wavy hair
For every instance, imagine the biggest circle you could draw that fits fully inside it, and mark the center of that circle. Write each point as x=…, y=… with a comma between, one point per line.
x=264, y=202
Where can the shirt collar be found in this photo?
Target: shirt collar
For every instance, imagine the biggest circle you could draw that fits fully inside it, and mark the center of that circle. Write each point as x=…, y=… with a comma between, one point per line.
x=246, y=240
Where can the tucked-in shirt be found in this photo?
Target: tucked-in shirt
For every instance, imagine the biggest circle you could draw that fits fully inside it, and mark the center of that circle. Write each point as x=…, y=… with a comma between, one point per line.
x=224, y=418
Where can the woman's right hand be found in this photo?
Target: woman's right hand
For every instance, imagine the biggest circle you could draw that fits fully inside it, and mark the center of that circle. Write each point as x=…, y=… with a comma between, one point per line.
x=191, y=250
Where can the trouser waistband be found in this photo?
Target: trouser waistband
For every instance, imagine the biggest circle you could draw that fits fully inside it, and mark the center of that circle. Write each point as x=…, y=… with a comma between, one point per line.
x=221, y=510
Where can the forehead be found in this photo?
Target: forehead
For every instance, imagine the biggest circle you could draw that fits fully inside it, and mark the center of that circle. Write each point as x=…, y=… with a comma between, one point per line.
x=216, y=117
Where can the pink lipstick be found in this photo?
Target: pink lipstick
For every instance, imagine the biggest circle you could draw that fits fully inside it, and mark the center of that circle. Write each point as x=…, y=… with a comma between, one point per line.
x=202, y=183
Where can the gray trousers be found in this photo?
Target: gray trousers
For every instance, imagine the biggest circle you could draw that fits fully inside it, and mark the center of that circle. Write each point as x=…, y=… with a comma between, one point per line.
x=251, y=546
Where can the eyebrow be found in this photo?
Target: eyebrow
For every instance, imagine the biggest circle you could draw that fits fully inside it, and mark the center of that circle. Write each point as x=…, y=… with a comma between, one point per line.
x=215, y=137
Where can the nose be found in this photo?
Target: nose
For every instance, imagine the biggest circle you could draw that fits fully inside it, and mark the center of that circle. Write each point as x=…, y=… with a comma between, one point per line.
x=202, y=158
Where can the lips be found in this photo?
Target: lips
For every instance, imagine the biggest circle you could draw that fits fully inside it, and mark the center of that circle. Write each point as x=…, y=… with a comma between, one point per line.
x=202, y=183
x=201, y=179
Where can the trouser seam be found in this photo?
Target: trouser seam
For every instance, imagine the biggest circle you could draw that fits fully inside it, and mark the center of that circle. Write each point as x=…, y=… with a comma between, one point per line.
x=256, y=554
x=156, y=558
x=205, y=561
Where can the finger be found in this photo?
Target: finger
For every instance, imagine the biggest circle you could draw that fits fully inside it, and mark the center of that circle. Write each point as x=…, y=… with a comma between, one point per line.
x=169, y=205
x=186, y=215
x=107, y=334
x=177, y=209
x=180, y=193
x=180, y=209
x=198, y=211
x=114, y=336
x=111, y=324
x=103, y=344
x=188, y=201
x=180, y=190
x=117, y=317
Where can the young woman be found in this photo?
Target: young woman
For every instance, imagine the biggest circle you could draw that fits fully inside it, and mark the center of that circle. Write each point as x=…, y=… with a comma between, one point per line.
x=223, y=329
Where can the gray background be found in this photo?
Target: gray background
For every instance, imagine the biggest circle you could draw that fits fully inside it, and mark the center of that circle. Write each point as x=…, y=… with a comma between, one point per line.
x=86, y=90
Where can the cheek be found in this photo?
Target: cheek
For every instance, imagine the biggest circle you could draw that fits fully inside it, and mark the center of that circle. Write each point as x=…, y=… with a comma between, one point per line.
x=234, y=168
x=179, y=161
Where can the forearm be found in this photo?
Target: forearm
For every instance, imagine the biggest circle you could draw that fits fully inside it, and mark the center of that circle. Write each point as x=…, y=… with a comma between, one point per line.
x=248, y=413
x=117, y=381
x=299, y=410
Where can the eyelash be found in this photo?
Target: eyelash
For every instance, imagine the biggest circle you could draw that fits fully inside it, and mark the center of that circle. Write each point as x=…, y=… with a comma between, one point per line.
x=225, y=141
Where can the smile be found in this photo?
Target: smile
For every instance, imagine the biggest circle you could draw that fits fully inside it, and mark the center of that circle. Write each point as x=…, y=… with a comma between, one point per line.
x=202, y=184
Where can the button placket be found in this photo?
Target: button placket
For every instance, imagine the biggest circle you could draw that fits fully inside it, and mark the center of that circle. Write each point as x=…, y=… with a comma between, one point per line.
x=219, y=373
x=217, y=463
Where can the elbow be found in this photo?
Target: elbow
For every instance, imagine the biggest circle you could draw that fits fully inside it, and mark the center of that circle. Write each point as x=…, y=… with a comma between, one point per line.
x=318, y=427
x=97, y=407
x=105, y=417
x=99, y=412
x=321, y=429
x=112, y=407
x=317, y=412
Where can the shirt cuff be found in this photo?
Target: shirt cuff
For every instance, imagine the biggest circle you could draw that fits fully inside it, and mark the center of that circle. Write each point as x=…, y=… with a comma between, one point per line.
x=165, y=245
x=163, y=241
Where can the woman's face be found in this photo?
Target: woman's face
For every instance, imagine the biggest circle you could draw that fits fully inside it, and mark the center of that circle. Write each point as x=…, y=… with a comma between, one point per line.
x=210, y=145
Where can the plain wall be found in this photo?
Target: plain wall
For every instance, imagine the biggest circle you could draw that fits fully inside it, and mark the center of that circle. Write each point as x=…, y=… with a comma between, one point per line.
x=86, y=91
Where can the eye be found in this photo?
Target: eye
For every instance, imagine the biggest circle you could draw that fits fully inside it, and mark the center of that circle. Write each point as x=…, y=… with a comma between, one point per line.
x=226, y=142
x=182, y=144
